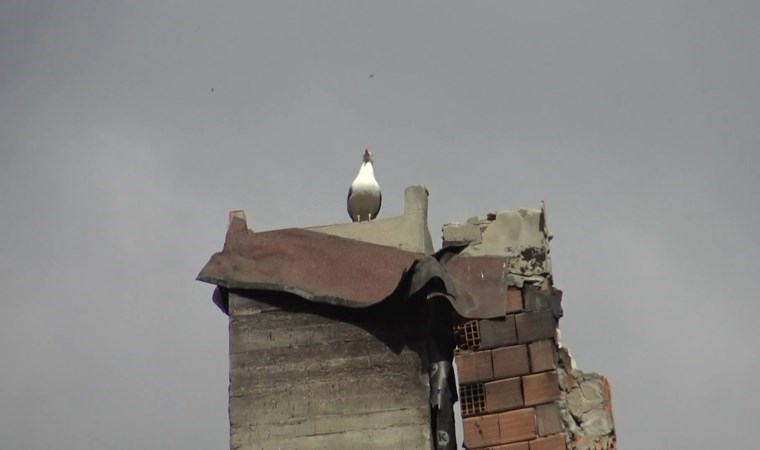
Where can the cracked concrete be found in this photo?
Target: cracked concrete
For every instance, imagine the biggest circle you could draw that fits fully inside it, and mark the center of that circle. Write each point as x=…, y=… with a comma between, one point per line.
x=519, y=234
x=586, y=408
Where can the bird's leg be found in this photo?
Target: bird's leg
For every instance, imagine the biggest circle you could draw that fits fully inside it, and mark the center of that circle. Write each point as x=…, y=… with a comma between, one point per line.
x=369, y=219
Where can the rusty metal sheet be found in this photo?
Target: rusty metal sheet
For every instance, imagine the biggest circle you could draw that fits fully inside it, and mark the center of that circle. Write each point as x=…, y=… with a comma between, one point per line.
x=484, y=279
x=315, y=266
x=476, y=286
x=353, y=273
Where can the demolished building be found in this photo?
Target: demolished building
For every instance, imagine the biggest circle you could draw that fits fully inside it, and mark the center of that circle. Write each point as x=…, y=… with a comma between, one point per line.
x=346, y=336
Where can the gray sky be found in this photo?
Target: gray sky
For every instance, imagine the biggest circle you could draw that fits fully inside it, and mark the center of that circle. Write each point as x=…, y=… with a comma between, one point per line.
x=636, y=122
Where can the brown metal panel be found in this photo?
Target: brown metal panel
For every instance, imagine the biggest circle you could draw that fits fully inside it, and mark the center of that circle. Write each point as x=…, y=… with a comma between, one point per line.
x=480, y=285
x=313, y=265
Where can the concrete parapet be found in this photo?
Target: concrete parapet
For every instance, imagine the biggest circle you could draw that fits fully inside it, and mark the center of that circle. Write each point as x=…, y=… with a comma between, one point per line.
x=406, y=232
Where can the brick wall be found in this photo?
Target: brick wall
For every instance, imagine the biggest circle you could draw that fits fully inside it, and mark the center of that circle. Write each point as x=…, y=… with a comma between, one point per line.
x=518, y=389
x=509, y=388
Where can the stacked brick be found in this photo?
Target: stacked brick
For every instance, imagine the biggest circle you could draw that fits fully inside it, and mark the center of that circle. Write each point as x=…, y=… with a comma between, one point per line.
x=507, y=371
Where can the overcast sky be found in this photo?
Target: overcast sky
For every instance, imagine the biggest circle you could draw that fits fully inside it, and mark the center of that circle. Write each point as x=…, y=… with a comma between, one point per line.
x=128, y=130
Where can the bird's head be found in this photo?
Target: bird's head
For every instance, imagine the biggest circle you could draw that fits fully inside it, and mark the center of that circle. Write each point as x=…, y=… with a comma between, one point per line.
x=368, y=156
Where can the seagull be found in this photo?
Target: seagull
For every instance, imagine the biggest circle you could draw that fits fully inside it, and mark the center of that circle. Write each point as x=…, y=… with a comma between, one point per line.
x=364, y=196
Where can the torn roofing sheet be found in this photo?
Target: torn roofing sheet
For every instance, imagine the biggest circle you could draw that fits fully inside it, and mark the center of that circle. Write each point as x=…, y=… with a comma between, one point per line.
x=476, y=286
x=315, y=266
x=348, y=272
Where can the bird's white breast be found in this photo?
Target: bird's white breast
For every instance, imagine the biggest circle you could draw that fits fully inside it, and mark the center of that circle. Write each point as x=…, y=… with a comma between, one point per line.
x=365, y=181
x=365, y=193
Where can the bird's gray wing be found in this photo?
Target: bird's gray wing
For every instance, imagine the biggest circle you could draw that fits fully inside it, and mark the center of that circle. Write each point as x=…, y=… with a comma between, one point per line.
x=379, y=204
x=348, y=205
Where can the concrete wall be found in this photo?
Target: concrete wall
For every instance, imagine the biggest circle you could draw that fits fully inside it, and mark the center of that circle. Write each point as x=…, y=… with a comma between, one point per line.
x=311, y=376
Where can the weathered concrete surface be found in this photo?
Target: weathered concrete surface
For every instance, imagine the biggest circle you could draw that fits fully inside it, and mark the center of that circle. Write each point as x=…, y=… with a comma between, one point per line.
x=586, y=408
x=407, y=232
x=458, y=233
x=518, y=234
x=310, y=376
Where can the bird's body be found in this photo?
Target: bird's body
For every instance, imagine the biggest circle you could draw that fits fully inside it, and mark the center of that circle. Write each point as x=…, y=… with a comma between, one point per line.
x=364, y=196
